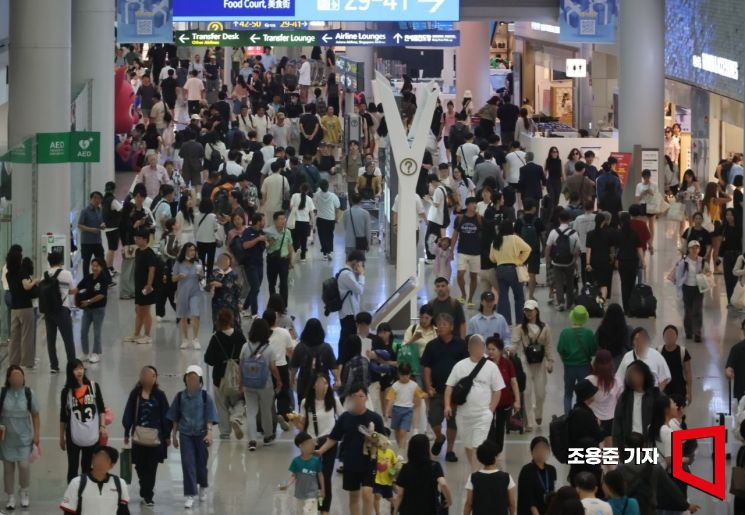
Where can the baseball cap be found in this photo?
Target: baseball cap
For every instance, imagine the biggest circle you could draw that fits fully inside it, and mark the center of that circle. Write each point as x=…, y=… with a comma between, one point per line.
x=693, y=243
x=195, y=117
x=530, y=305
x=194, y=369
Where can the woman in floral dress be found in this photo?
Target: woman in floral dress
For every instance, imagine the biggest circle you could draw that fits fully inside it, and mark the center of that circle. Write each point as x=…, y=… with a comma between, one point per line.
x=226, y=291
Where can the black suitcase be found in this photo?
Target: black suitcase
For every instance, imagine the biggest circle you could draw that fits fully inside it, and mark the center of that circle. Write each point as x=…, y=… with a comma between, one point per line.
x=642, y=303
x=588, y=297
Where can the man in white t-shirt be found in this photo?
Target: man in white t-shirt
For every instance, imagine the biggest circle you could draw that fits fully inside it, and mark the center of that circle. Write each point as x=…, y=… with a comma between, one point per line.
x=282, y=346
x=643, y=352
x=474, y=417
x=437, y=214
x=304, y=78
x=60, y=318
x=586, y=485
x=467, y=154
x=515, y=161
x=194, y=92
x=98, y=491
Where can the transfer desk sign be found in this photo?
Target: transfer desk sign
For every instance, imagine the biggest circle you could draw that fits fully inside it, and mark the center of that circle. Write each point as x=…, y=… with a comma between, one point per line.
x=288, y=38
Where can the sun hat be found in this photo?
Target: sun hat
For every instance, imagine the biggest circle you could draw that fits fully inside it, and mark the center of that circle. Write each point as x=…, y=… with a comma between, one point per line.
x=579, y=315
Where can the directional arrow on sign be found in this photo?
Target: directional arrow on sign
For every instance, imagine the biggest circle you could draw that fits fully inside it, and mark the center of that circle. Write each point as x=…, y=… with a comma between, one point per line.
x=254, y=37
x=435, y=7
x=326, y=38
x=183, y=38
x=398, y=37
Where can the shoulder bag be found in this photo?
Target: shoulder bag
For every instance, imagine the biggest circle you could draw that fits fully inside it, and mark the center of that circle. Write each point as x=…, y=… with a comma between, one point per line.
x=144, y=436
x=522, y=270
x=461, y=390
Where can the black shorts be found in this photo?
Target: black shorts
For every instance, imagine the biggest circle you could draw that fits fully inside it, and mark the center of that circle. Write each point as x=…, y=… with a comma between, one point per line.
x=606, y=427
x=384, y=491
x=354, y=480
x=112, y=239
x=534, y=263
x=144, y=300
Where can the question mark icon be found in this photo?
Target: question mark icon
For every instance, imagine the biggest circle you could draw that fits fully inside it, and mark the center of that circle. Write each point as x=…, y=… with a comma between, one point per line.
x=408, y=166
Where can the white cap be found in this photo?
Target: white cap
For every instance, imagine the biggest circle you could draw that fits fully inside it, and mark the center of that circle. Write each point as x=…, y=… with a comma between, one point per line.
x=195, y=369
x=693, y=243
x=530, y=305
x=196, y=117
x=467, y=94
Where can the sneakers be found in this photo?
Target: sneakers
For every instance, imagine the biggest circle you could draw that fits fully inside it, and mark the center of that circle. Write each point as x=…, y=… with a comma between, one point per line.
x=437, y=446
x=303, y=260
x=252, y=445
x=269, y=440
x=54, y=371
x=470, y=305
x=451, y=457
x=237, y=425
x=94, y=358
x=11, y=504
x=202, y=493
x=461, y=300
x=148, y=502
x=25, y=501
x=196, y=344
x=158, y=319
x=144, y=340
x=129, y=339
x=84, y=357
x=189, y=502
x=224, y=436
x=185, y=344
x=246, y=313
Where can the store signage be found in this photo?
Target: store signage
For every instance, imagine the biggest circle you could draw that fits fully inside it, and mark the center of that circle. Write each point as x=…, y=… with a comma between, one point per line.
x=651, y=161
x=68, y=147
x=544, y=27
x=286, y=38
x=144, y=21
x=318, y=10
x=623, y=165
x=588, y=21
x=719, y=65
x=576, y=68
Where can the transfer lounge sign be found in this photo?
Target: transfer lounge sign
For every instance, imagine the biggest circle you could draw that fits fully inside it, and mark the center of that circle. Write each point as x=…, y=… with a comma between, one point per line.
x=68, y=147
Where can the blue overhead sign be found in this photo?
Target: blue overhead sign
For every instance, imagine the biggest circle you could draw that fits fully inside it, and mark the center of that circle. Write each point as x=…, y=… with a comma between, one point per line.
x=144, y=21
x=316, y=10
x=588, y=21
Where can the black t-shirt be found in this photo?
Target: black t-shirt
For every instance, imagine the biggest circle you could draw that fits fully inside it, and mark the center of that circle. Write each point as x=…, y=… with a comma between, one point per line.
x=452, y=308
x=700, y=235
x=146, y=96
x=532, y=486
x=736, y=361
x=346, y=430
x=537, y=224
x=20, y=297
x=627, y=243
x=677, y=382
x=309, y=122
x=325, y=163
x=553, y=168
x=91, y=286
x=168, y=89
x=441, y=357
x=211, y=71
x=600, y=242
x=508, y=115
x=420, y=489
x=144, y=259
x=591, y=172
x=469, y=235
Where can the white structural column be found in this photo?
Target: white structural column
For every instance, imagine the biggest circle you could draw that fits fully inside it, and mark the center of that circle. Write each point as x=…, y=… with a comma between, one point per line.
x=92, y=41
x=39, y=101
x=472, y=62
x=584, y=90
x=362, y=54
x=448, y=69
x=641, y=80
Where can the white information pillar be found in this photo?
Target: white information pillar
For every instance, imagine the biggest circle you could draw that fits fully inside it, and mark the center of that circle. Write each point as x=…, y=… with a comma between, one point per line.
x=40, y=51
x=408, y=151
x=92, y=40
x=472, y=62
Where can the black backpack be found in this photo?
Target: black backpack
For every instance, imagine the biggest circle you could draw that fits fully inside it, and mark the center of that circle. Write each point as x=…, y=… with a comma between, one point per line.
x=642, y=303
x=529, y=234
x=457, y=135
x=215, y=161
x=330, y=295
x=558, y=430
x=222, y=201
x=50, y=297
x=588, y=298
x=561, y=250
x=111, y=218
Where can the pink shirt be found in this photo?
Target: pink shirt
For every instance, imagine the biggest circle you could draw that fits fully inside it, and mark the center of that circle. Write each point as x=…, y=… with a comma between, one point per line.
x=153, y=178
x=604, y=403
x=449, y=121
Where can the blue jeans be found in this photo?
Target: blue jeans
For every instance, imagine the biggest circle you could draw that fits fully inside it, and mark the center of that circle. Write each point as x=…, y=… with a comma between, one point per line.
x=254, y=276
x=94, y=316
x=507, y=279
x=62, y=321
x=193, y=463
x=572, y=375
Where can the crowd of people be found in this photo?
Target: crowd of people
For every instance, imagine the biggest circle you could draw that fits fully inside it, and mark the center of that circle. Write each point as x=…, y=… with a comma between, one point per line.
x=241, y=188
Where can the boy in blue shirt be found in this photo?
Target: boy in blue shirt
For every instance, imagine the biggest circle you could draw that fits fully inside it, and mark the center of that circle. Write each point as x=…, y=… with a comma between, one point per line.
x=193, y=413
x=306, y=476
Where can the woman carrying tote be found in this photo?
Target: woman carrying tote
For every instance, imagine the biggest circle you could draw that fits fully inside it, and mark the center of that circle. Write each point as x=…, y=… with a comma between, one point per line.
x=146, y=426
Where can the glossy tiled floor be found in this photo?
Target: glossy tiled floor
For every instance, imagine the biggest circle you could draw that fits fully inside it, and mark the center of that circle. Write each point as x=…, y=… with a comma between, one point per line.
x=247, y=483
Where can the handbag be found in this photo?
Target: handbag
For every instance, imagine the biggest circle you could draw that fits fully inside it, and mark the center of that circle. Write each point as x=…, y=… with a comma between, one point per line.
x=704, y=282
x=515, y=422
x=292, y=219
x=128, y=252
x=125, y=465
x=676, y=212
x=738, y=296
x=463, y=387
x=522, y=271
x=144, y=436
x=656, y=204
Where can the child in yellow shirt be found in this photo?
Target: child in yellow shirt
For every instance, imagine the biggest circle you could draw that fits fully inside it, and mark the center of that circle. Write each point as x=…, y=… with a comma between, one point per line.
x=386, y=473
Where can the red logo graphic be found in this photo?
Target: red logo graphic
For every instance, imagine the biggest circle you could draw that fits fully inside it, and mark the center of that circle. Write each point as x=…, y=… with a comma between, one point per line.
x=718, y=433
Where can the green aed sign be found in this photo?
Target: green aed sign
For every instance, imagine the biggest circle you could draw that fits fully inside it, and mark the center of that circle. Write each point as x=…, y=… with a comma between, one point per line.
x=68, y=147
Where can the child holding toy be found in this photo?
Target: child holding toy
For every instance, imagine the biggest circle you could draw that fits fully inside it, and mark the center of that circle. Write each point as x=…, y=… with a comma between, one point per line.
x=387, y=469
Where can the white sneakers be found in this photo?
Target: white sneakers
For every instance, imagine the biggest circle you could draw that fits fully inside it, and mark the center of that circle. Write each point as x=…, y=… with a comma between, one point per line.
x=144, y=340
x=25, y=501
x=237, y=425
x=129, y=339
x=95, y=358
x=84, y=357
x=194, y=342
x=189, y=502
x=11, y=504
x=184, y=344
x=202, y=494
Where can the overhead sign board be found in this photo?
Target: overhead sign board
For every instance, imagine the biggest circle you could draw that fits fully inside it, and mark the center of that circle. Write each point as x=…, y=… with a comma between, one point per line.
x=144, y=21
x=289, y=38
x=68, y=147
x=316, y=10
x=582, y=21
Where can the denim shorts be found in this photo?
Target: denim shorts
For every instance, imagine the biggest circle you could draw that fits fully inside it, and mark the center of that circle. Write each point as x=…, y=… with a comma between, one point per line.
x=401, y=418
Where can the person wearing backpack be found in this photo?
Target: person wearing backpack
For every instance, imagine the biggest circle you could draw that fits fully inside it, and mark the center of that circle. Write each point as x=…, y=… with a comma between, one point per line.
x=258, y=366
x=98, y=491
x=169, y=250
x=81, y=418
x=351, y=284
x=312, y=356
x=56, y=292
x=583, y=428
x=19, y=426
x=207, y=231
x=193, y=414
x=223, y=352
x=355, y=370
x=147, y=428
x=530, y=228
x=562, y=249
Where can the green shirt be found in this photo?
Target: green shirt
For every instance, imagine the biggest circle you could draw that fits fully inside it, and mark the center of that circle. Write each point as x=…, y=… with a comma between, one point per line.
x=277, y=240
x=577, y=346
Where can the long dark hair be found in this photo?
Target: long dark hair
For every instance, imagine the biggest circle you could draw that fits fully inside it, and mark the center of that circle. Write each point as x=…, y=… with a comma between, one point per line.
x=538, y=321
x=660, y=406
x=418, y=453
x=613, y=332
x=70, y=381
x=186, y=211
x=505, y=229
x=182, y=254
x=11, y=369
x=259, y=332
x=277, y=304
x=313, y=333
x=14, y=259
x=329, y=402
x=646, y=372
x=683, y=184
x=303, y=195
x=550, y=159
